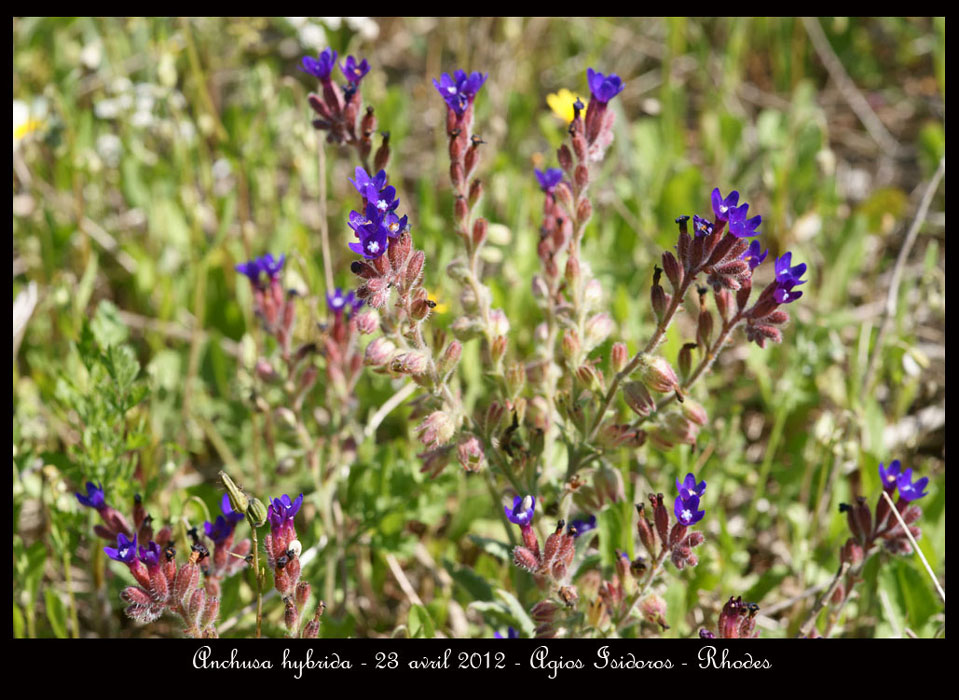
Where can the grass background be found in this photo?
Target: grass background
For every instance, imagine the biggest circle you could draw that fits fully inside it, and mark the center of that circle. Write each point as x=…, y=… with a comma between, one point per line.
x=157, y=154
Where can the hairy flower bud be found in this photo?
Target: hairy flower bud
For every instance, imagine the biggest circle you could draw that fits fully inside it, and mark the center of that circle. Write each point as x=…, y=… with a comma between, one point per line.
x=450, y=357
x=618, y=357
x=256, y=513
x=379, y=352
x=414, y=363
x=570, y=344
x=657, y=374
x=638, y=398
x=367, y=322
x=436, y=430
x=653, y=608
x=674, y=273
x=598, y=328
x=694, y=411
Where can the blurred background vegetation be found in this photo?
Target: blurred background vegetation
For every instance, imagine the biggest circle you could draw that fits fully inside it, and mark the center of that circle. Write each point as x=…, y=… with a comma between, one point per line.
x=150, y=156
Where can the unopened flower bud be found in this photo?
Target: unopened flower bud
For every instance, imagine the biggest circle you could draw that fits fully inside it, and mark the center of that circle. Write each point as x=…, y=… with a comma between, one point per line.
x=564, y=195
x=674, y=273
x=480, y=230
x=414, y=363
x=704, y=329
x=597, y=329
x=379, y=352
x=584, y=211
x=593, y=294
x=367, y=322
x=565, y=157
x=653, y=608
x=851, y=553
x=436, y=430
x=686, y=358
x=618, y=357
x=256, y=513
x=657, y=374
x=657, y=298
x=498, y=348
x=461, y=209
x=581, y=176
x=450, y=357
x=499, y=324
x=638, y=398
x=467, y=327
x=515, y=378
x=695, y=412
x=476, y=192
x=458, y=271
x=238, y=500
x=570, y=344
x=470, y=453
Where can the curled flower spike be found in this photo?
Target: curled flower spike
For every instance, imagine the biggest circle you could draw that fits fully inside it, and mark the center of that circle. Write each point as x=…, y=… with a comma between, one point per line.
x=549, y=179
x=722, y=207
x=689, y=486
x=603, y=87
x=909, y=490
x=125, y=551
x=686, y=508
x=890, y=475
x=321, y=66
x=522, y=511
x=752, y=255
x=459, y=91
x=94, y=497
x=354, y=71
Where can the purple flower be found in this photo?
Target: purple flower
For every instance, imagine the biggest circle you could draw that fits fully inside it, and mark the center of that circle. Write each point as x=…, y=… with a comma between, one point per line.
x=228, y=512
x=354, y=71
x=740, y=226
x=603, y=87
x=338, y=302
x=372, y=240
x=689, y=486
x=383, y=200
x=510, y=634
x=752, y=255
x=687, y=508
x=701, y=226
x=890, y=475
x=460, y=90
x=522, y=511
x=94, y=497
x=909, y=491
x=395, y=225
x=268, y=264
x=125, y=551
x=282, y=510
x=321, y=66
x=219, y=530
x=722, y=207
x=150, y=555
x=549, y=179
x=580, y=527
x=363, y=181
x=786, y=278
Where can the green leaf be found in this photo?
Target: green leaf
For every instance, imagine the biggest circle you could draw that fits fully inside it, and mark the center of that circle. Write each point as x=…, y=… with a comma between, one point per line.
x=522, y=619
x=420, y=623
x=56, y=612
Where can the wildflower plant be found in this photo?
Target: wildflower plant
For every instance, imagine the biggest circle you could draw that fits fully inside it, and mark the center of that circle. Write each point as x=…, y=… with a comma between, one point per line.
x=562, y=444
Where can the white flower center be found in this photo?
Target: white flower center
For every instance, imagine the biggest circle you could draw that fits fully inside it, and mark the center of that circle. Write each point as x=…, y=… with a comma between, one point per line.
x=451, y=90
x=687, y=514
x=381, y=204
x=373, y=246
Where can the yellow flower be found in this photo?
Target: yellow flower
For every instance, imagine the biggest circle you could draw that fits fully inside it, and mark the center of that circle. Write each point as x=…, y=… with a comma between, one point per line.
x=27, y=119
x=562, y=103
x=441, y=306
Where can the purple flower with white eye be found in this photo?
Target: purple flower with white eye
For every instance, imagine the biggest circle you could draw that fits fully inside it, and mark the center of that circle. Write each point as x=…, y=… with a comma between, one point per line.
x=549, y=179
x=786, y=278
x=459, y=91
x=686, y=508
x=354, y=71
x=722, y=207
x=338, y=302
x=151, y=554
x=603, y=87
x=266, y=264
x=522, y=511
x=383, y=200
x=702, y=227
x=580, y=527
x=372, y=243
x=752, y=255
x=94, y=497
x=510, y=634
x=364, y=181
x=890, y=475
x=740, y=226
x=271, y=266
x=909, y=491
x=689, y=486
x=321, y=66
x=125, y=551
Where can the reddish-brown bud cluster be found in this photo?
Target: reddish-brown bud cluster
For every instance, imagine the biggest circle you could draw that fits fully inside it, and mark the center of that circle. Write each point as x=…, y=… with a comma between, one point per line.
x=553, y=561
x=659, y=538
